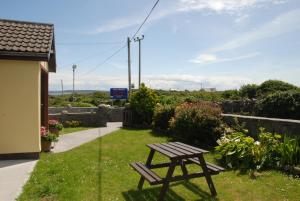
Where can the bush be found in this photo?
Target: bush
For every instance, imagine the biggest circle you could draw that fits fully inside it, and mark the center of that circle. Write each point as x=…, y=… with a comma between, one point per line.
x=81, y=104
x=236, y=150
x=272, y=86
x=142, y=103
x=231, y=94
x=161, y=117
x=289, y=152
x=249, y=91
x=72, y=123
x=197, y=123
x=280, y=105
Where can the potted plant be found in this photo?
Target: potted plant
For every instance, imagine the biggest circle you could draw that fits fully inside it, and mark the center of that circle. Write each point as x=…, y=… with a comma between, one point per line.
x=47, y=139
x=54, y=126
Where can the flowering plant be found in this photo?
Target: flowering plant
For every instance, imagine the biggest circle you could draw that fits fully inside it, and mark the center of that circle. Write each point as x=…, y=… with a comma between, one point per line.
x=55, y=124
x=46, y=136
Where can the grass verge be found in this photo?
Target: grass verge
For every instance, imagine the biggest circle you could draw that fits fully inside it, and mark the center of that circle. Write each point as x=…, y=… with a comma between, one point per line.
x=75, y=129
x=99, y=171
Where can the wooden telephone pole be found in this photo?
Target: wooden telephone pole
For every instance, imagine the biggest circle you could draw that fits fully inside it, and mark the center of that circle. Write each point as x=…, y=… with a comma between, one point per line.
x=138, y=39
x=129, y=67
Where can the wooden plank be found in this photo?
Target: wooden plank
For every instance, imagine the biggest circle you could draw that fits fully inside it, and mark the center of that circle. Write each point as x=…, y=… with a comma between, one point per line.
x=142, y=172
x=185, y=148
x=151, y=173
x=148, y=162
x=162, y=151
x=178, y=149
x=216, y=166
x=210, y=166
x=191, y=147
x=170, y=150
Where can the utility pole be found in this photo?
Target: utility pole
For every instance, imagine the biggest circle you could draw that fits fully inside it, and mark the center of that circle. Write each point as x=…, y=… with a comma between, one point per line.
x=138, y=39
x=73, y=67
x=129, y=67
x=62, y=87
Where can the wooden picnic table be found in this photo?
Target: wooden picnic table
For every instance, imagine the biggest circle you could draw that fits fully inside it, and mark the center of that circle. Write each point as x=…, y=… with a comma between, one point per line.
x=180, y=154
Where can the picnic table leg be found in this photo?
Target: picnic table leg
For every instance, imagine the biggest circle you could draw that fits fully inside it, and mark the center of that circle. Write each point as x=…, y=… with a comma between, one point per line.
x=167, y=180
x=148, y=163
x=183, y=168
x=207, y=175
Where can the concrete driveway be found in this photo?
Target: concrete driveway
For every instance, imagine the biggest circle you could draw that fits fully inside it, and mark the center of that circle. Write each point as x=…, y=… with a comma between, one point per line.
x=13, y=175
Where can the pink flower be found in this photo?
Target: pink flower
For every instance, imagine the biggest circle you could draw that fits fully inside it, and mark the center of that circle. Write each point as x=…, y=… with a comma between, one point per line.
x=43, y=131
x=52, y=122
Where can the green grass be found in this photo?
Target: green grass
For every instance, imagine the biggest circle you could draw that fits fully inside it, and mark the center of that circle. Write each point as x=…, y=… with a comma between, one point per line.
x=75, y=129
x=99, y=171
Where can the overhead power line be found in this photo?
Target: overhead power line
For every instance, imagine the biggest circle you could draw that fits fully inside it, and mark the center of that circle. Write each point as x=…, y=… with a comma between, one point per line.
x=104, y=61
x=140, y=27
x=88, y=43
x=121, y=48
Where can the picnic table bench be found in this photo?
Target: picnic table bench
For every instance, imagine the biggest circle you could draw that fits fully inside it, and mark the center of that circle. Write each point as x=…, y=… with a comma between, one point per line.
x=180, y=154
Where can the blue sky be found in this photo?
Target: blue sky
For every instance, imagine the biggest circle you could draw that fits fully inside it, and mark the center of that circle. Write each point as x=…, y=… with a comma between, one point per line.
x=216, y=43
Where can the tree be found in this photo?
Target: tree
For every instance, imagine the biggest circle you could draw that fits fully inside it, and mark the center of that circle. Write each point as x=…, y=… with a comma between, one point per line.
x=143, y=102
x=271, y=86
x=249, y=91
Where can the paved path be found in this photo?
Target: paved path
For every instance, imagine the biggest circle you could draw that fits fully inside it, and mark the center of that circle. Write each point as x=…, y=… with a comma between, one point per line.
x=70, y=141
x=15, y=173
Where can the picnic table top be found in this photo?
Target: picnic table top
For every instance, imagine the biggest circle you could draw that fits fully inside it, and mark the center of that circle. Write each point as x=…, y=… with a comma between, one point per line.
x=177, y=150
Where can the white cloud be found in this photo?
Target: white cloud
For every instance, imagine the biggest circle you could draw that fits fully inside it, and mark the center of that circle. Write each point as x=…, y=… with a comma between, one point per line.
x=284, y=23
x=241, y=19
x=231, y=6
x=172, y=81
x=218, y=6
x=212, y=58
x=126, y=22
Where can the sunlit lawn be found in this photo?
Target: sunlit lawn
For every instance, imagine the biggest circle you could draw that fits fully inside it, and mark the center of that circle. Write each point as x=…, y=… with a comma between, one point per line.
x=75, y=129
x=100, y=171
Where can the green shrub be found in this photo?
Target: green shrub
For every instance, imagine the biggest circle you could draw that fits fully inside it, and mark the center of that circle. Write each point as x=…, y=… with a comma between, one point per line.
x=289, y=152
x=72, y=123
x=236, y=150
x=231, y=94
x=142, y=103
x=272, y=86
x=197, y=123
x=81, y=104
x=161, y=117
x=281, y=105
x=249, y=91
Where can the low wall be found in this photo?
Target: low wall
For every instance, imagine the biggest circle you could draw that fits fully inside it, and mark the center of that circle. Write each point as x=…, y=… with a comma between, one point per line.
x=85, y=119
x=238, y=106
x=96, y=117
x=252, y=123
x=55, y=110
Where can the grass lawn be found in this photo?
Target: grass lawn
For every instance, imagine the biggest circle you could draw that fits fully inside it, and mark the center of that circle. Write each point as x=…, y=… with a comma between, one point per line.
x=75, y=129
x=99, y=171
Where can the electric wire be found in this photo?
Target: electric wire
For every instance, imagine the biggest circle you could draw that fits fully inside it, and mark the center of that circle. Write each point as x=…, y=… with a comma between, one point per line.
x=118, y=50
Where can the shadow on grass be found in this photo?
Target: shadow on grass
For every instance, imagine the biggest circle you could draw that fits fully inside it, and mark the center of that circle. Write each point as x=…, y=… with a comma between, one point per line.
x=151, y=194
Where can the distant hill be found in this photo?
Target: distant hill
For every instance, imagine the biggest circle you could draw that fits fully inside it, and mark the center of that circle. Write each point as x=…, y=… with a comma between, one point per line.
x=54, y=93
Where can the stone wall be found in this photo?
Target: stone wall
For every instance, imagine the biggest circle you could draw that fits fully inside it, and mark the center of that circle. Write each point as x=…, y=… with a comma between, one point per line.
x=95, y=117
x=252, y=123
x=56, y=110
x=86, y=119
x=238, y=106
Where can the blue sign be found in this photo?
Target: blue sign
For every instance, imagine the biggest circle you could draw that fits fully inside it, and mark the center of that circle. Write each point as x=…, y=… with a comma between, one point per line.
x=118, y=93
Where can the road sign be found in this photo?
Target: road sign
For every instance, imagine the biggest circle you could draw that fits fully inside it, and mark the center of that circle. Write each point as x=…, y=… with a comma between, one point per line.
x=118, y=93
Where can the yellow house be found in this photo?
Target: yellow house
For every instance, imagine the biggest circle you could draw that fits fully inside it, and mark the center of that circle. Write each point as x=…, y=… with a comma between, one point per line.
x=27, y=55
